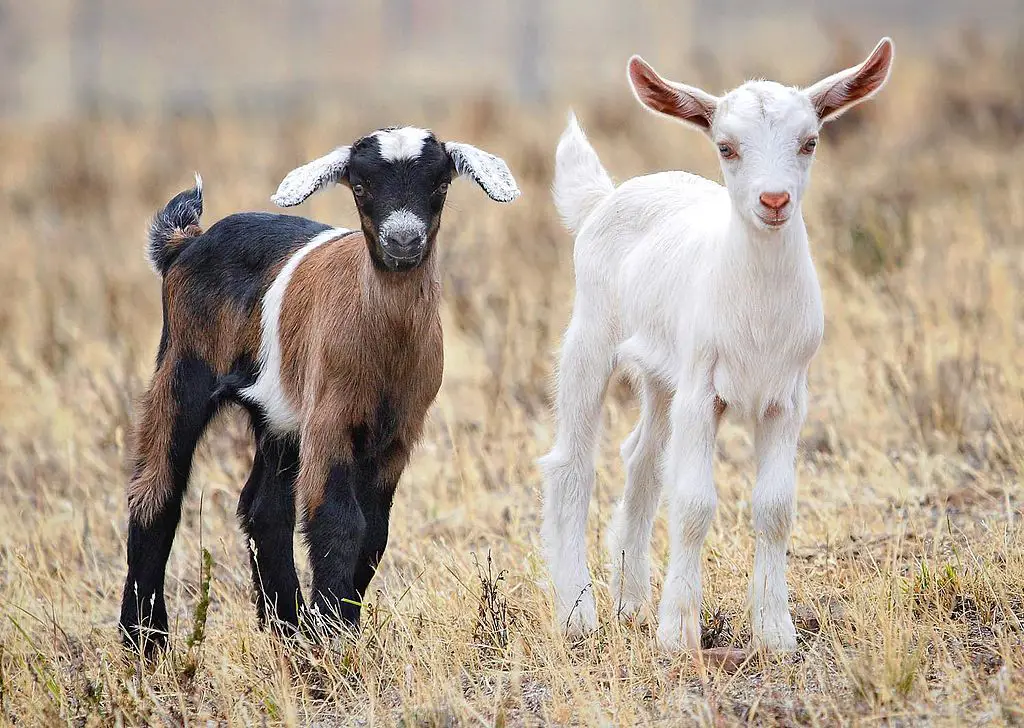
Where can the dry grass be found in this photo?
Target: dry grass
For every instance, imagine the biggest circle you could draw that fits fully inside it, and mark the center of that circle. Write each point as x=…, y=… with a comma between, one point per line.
x=908, y=557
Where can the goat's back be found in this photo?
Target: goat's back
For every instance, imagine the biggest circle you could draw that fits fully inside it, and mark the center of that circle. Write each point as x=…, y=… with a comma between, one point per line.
x=213, y=291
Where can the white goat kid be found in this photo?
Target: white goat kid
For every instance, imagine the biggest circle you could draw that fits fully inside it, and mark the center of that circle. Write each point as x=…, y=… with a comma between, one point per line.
x=709, y=296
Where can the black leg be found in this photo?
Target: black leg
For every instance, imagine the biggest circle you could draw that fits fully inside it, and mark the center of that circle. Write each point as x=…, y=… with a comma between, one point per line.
x=375, y=501
x=177, y=409
x=334, y=533
x=266, y=510
x=375, y=498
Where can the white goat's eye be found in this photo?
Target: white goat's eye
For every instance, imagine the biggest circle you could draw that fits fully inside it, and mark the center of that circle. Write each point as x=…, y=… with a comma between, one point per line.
x=727, y=151
x=809, y=146
x=358, y=190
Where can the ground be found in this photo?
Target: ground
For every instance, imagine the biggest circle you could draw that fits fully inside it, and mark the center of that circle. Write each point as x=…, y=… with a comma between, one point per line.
x=907, y=559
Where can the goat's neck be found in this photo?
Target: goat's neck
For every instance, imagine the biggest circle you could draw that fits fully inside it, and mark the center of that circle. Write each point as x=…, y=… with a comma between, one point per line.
x=401, y=295
x=765, y=252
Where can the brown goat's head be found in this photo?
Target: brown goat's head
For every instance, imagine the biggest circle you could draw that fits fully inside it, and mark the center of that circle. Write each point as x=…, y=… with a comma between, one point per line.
x=399, y=178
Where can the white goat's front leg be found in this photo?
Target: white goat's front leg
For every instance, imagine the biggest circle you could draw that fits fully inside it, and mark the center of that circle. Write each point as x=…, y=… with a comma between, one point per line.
x=629, y=537
x=568, y=470
x=774, y=506
x=692, y=501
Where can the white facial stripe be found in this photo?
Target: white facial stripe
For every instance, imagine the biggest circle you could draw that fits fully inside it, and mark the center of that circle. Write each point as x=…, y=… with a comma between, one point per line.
x=404, y=143
x=267, y=391
x=402, y=221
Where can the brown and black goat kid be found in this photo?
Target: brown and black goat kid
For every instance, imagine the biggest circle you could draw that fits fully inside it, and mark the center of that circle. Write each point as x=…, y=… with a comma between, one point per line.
x=330, y=338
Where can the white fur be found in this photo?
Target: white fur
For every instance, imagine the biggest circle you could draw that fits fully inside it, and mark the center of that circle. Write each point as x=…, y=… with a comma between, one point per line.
x=402, y=220
x=683, y=282
x=267, y=391
x=487, y=170
x=404, y=143
x=303, y=181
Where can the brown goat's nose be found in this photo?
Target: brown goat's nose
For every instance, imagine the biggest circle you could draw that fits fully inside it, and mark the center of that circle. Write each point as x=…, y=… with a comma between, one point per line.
x=775, y=200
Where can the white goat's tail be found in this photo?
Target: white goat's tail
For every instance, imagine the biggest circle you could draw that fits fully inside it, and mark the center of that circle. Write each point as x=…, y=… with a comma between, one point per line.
x=581, y=183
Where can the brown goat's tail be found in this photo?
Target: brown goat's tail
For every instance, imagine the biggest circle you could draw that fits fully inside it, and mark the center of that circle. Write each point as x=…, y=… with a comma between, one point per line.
x=174, y=226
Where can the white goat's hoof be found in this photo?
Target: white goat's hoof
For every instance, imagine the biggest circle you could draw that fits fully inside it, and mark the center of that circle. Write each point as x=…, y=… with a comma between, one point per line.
x=674, y=637
x=634, y=611
x=581, y=618
x=774, y=635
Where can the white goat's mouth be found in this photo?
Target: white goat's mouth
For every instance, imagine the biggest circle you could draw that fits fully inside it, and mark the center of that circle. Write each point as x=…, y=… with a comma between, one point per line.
x=774, y=222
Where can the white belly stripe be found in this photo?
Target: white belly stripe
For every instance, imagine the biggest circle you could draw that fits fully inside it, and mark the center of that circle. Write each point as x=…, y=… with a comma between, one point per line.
x=266, y=391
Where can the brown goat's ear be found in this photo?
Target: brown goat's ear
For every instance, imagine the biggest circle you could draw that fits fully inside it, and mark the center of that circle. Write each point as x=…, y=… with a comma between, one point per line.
x=842, y=91
x=302, y=182
x=488, y=171
x=678, y=101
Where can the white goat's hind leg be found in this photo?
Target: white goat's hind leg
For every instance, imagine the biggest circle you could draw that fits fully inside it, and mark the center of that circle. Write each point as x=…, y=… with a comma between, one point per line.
x=628, y=446
x=692, y=501
x=586, y=364
x=629, y=538
x=774, y=505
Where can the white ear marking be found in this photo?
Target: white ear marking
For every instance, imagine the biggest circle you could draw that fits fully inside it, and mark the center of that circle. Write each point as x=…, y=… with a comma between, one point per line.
x=487, y=170
x=302, y=182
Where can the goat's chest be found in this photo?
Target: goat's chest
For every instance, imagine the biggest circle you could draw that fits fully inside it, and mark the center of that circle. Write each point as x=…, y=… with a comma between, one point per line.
x=763, y=343
x=401, y=360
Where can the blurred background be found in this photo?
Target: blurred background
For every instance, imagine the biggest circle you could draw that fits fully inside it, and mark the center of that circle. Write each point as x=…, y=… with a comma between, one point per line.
x=912, y=453
x=64, y=58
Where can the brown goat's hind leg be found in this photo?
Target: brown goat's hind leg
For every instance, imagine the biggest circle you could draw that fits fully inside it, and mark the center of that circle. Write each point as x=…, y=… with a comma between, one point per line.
x=334, y=531
x=266, y=510
x=174, y=413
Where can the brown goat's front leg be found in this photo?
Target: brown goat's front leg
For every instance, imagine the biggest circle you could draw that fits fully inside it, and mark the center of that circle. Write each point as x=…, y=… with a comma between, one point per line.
x=375, y=498
x=334, y=535
x=334, y=525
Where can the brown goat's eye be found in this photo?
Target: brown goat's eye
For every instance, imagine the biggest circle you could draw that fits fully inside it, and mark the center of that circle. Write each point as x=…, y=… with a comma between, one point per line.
x=358, y=190
x=809, y=146
x=728, y=151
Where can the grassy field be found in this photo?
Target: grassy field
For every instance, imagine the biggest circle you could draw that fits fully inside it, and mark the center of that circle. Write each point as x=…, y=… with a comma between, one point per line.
x=907, y=561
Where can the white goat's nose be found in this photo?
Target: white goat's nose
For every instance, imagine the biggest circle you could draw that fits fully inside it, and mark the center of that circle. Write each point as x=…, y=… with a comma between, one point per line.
x=775, y=200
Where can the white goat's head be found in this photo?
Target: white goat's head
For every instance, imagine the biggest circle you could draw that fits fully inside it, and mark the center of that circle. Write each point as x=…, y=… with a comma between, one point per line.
x=766, y=133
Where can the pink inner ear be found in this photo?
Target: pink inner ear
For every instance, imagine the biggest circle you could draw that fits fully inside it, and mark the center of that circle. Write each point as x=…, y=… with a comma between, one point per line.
x=652, y=89
x=856, y=86
x=658, y=95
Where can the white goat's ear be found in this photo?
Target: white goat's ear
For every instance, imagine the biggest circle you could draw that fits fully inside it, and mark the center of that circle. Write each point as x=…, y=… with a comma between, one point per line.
x=841, y=91
x=488, y=171
x=302, y=182
x=687, y=104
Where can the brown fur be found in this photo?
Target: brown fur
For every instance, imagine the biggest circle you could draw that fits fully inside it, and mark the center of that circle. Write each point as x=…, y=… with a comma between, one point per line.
x=230, y=334
x=218, y=342
x=352, y=336
x=180, y=237
x=152, y=482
